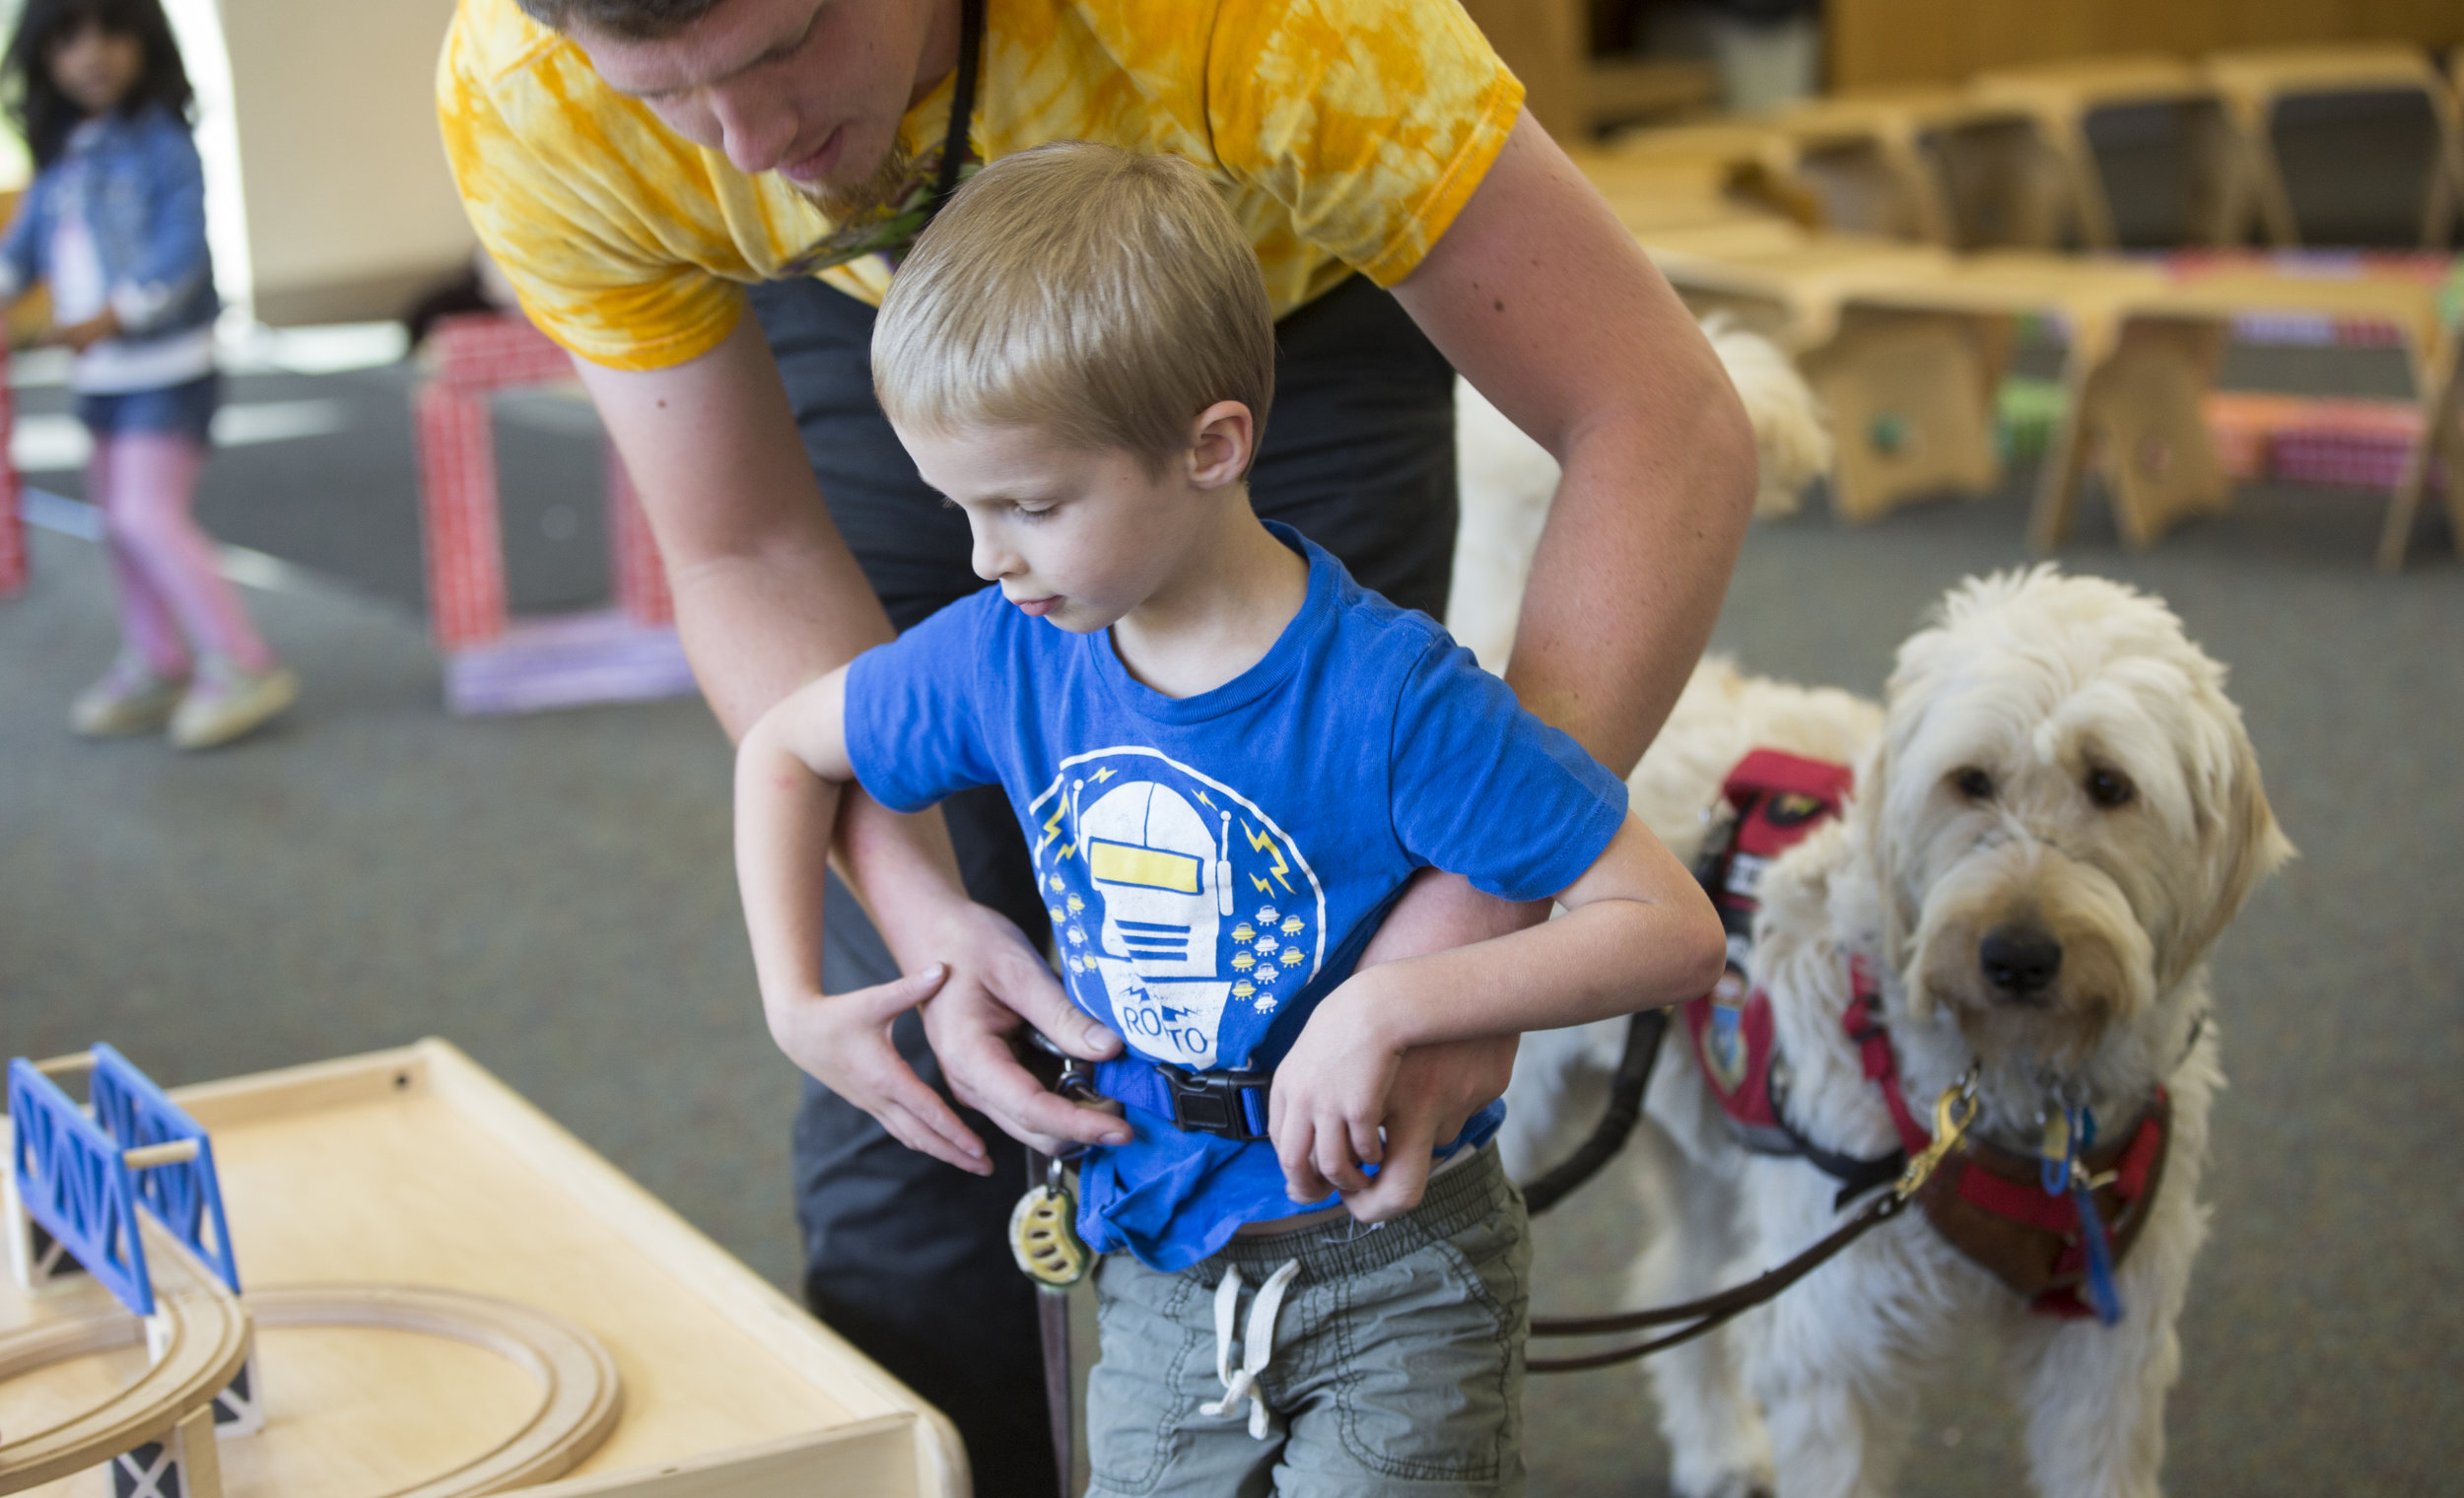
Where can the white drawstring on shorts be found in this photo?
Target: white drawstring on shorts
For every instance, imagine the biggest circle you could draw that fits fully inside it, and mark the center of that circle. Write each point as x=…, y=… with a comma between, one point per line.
x=1257, y=1347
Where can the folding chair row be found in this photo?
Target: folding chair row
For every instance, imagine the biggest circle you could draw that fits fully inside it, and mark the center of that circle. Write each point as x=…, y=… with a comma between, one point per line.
x=2008, y=162
x=1908, y=346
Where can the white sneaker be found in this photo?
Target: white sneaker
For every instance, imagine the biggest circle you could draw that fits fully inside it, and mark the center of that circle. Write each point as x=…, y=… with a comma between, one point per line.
x=227, y=701
x=129, y=698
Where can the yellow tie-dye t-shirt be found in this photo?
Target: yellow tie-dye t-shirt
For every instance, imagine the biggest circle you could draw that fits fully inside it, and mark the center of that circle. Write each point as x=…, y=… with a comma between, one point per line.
x=1344, y=135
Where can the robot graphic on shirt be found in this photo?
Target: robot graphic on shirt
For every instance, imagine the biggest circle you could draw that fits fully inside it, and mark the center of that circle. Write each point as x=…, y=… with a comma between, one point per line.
x=1185, y=917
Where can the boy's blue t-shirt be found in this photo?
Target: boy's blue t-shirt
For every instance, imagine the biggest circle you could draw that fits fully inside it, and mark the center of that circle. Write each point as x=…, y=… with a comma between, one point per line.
x=1213, y=866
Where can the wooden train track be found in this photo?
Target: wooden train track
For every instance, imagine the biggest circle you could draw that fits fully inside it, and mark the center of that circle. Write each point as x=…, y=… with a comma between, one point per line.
x=204, y=1336
x=579, y=1396
x=207, y=1330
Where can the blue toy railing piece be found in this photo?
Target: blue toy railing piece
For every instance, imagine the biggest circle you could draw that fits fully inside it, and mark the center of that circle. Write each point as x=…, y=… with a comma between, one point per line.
x=184, y=1196
x=73, y=1183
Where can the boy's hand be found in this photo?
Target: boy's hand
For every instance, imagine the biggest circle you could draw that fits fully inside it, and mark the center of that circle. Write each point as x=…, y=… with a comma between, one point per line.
x=843, y=1040
x=82, y=336
x=1438, y=1087
x=1001, y=984
x=1330, y=1097
x=1436, y=1090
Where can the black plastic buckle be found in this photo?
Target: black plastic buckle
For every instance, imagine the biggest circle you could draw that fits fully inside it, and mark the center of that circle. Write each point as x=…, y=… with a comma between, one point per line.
x=1212, y=1103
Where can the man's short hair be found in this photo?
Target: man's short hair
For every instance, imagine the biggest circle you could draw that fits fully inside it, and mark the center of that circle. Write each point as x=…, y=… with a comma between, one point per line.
x=633, y=19
x=1101, y=295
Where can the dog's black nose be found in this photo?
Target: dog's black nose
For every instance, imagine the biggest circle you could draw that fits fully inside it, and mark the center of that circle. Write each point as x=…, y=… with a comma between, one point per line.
x=2020, y=960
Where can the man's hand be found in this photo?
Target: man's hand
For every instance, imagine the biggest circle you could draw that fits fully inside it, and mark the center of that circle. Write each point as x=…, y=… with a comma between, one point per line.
x=843, y=1040
x=82, y=336
x=1000, y=986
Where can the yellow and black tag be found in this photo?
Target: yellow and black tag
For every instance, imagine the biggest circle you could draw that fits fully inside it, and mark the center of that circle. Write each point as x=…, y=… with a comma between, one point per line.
x=1043, y=1235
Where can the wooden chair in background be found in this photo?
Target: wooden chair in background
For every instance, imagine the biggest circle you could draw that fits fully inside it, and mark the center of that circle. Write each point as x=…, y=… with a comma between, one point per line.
x=2062, y=96
x=1907, y=346
x=1877, y=164
x=1909, y=385
x=2254, y=82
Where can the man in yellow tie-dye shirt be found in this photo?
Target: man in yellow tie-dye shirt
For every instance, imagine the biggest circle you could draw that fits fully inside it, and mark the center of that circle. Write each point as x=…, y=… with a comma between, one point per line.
x=647, y=171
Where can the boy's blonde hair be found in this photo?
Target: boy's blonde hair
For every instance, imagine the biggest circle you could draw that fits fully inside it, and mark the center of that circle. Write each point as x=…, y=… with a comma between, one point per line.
x=1104, y=296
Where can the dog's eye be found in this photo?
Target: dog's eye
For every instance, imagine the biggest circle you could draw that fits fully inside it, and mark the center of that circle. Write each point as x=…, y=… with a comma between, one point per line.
x=1973, y=783
x=2109, y=788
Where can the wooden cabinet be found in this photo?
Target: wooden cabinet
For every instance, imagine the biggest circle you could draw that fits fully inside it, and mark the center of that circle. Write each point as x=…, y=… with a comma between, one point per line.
x=1573, y=93
x=1879, y=42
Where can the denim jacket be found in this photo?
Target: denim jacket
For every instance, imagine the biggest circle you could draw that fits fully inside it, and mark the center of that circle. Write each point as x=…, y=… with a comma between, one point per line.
x=145, y=207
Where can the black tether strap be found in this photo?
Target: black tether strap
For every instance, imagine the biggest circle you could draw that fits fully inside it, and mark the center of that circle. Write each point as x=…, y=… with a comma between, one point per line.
x=1617, y=1125
x=1052, y=1327
x=1699, y=1317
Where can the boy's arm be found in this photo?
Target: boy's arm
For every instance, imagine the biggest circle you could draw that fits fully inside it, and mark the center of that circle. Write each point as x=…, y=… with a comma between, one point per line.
x=1637, y=932
x=791, y=770
x=792, y=773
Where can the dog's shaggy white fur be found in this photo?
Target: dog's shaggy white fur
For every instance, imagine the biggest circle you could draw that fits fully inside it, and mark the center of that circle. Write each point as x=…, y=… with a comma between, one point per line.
x=2055, y=758
x=1508, y=481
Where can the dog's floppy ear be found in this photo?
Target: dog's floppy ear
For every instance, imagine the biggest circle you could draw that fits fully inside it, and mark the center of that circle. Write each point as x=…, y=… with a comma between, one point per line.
x=1870, y=829
x=2238, y=838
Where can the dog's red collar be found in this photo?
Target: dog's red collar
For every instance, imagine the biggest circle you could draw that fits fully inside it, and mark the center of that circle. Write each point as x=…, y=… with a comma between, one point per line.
x=1986, y=1199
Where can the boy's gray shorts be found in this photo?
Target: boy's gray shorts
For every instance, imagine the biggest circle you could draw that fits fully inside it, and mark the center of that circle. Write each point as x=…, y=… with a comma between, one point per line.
x=1398, y=1363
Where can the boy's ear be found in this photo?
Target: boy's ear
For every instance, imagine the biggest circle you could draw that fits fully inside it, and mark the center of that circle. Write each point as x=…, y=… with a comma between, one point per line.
x=1221, y=442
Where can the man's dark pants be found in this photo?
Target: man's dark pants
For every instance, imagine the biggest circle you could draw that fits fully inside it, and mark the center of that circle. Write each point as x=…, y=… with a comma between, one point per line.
x=908, y=1257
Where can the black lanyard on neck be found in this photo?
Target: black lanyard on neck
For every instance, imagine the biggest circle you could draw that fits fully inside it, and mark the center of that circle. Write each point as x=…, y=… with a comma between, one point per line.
x=962, y=104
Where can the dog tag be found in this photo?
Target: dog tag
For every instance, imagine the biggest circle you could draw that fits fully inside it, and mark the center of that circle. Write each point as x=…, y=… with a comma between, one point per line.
x=2056, y=1144
x=1043, y=1234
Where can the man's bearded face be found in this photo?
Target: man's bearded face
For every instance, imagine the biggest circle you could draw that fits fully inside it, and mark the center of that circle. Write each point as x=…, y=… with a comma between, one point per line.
x=884, y=185
x=808, y=90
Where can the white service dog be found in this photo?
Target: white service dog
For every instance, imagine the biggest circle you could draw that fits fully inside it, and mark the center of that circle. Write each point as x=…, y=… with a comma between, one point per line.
x=2058, y=774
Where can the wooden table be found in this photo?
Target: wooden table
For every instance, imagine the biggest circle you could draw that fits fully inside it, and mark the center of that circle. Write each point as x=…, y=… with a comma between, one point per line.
x=415, y=1167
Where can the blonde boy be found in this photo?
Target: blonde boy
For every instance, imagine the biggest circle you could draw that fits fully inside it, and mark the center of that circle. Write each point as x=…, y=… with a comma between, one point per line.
x=1227, y=760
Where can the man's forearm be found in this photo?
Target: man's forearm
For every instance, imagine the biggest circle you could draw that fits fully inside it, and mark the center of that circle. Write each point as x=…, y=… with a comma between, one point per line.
x=755, y=630
x=758, y=627
x=768, y=597
x=1627, y=579
x=1547, y=305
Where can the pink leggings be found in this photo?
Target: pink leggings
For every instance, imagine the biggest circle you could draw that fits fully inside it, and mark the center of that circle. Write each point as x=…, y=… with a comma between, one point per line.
x=174, y=603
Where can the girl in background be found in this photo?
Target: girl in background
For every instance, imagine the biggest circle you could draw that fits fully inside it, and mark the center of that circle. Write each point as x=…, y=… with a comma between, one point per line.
x=114, y=224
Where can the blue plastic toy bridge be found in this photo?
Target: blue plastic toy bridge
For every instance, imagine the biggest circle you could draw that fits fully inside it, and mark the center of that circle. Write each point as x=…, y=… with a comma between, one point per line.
x=74, y=1178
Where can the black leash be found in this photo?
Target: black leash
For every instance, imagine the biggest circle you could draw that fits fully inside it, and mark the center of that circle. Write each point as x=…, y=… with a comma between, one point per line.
x=1703, y=1316
x=1643, y=1035
x=1051, y=1325
x=1695, y=1318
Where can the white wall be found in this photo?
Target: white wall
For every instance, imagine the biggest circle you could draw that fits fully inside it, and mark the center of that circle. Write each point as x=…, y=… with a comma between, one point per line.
x=342, y=185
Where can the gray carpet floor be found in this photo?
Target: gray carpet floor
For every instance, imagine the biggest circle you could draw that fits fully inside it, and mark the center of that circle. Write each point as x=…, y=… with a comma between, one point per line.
x=554, y=894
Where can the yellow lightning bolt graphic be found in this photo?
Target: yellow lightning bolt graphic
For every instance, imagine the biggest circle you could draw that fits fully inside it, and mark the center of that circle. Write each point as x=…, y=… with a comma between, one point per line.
x=1265, y=845
x=1103, y=775
x=1052, y=829
x=1203, y=801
